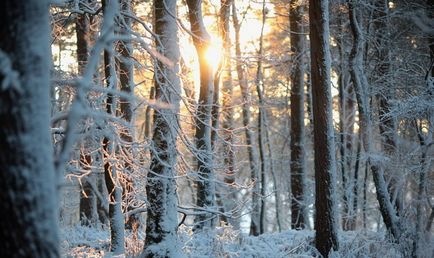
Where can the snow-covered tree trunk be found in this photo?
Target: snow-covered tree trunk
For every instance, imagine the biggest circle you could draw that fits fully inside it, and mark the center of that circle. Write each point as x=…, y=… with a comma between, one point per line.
x=242, y=80
x=126, y=81
x=116, y=217
x=326, y=237
x=361, y=87
x=346, y=133
x=28, y=217
x=227, y=109
x=387, y=123
x=298, y=173
x=205, y=183
x=162, y=218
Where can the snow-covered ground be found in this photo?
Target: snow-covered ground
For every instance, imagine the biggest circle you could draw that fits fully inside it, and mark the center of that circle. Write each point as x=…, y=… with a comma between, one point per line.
x=80, y=241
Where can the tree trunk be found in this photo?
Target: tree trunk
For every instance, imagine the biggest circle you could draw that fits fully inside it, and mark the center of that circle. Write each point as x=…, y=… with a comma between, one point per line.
x=88, y=200
x=28, y=198
x=205, y=184
x=227, y=110
x=116, y=218
x=325, y=172
x=254, y=225
x=259, y=82
x=361, y=87
x=162, y=219
x=387, y=123
x=126, y=80
x=298, y=173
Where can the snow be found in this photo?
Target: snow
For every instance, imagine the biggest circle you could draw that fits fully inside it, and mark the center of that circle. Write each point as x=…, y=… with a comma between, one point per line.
x=81, y=241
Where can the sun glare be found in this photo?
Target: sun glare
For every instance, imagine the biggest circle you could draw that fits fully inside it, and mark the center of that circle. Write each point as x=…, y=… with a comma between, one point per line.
x=213, y=56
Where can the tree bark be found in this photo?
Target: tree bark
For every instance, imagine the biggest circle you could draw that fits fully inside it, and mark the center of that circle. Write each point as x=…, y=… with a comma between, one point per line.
x=116, y=218
x=162, y=219
x=126, y=81
x=325, y=172
x=259, y=83
x=298, y=174
x=205, y=184
x=28, y=198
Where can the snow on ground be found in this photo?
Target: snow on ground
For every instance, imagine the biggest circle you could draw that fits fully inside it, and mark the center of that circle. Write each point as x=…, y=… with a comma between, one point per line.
x=81, y=241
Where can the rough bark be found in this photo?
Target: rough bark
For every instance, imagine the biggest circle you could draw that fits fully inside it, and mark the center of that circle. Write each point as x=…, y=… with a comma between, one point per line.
x=162, y=219
x=325, y=172
x=28, y=221
x=298, y=174
x=205, y=183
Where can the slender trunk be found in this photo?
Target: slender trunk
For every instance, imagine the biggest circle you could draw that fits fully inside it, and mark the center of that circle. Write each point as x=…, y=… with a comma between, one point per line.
x=126, y=83
x=88, y=200
x=28, y=198
x=325, y=170
x=205, y=184
x=162, y=219
x=424, y=163
x=362, y=93
x=254, y=225
x=148, y=115
x=261, y=116
x=116, y=219
x=387, y=123
x=298, y=173
x=346, y=133
x=365, y=195
x=418, y=242
x=227, y=109
x=273, y=174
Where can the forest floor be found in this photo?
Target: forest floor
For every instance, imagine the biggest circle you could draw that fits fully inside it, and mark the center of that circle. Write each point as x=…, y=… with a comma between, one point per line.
x=81, y=241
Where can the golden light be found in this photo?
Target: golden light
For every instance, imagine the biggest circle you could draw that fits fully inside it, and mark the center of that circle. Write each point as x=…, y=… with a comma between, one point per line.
x=213, y=54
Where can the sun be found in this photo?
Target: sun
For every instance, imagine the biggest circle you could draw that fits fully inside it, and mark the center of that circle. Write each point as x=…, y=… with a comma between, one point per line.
x=213, y=54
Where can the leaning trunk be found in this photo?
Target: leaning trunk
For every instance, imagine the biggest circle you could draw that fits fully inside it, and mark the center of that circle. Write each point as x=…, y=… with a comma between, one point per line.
x=360, y=83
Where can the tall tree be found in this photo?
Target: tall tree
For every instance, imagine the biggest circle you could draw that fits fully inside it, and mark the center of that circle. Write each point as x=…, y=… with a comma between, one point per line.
x=116, y=218
x=227, y=109
x=88, y=199
x=161, y=224
x=361, y=88
x=298, y=173
x=28, y=197
x=205, y=183
x=126, y=81
x=259, y=83
x=325, y=172
x=242, y=80
x=387, y=123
